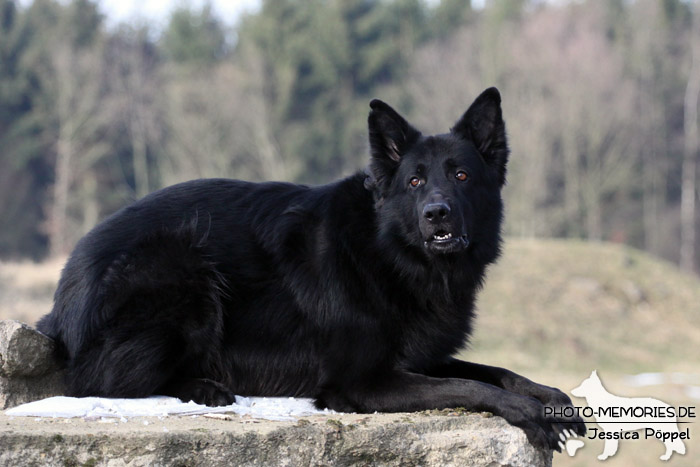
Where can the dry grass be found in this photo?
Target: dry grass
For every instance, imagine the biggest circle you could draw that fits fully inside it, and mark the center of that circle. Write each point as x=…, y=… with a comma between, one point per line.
x=584, y=306
x=26, y=288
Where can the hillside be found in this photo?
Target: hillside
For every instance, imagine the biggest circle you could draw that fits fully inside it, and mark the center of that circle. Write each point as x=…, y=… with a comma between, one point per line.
x=577, y=306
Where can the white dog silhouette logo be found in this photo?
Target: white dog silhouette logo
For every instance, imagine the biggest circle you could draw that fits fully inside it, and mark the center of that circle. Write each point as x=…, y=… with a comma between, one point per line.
x=619, y=416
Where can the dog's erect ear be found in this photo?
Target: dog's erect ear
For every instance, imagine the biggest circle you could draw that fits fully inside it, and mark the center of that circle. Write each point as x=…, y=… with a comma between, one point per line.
x=483, y=125
x=390, y=135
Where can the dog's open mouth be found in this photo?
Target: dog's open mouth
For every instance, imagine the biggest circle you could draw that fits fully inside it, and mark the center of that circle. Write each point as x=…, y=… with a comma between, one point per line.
x=441, y=237
x=446, y=242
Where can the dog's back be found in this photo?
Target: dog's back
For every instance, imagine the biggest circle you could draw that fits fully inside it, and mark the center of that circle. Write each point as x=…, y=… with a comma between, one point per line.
x=151, y=287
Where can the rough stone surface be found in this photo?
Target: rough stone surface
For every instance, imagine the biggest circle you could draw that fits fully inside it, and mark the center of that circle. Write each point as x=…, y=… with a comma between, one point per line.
x=23, y=350
x=28, y=370
x=347, y=439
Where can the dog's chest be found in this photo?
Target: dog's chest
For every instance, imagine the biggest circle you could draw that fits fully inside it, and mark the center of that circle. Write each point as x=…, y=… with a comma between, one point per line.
x=435, y=331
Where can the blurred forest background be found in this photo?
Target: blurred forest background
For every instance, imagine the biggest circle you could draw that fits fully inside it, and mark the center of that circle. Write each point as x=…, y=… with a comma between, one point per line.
x=600, y=100
x=601, y=105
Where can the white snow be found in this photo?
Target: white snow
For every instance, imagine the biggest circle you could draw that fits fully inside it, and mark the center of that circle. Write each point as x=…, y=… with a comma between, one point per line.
x=270, y=408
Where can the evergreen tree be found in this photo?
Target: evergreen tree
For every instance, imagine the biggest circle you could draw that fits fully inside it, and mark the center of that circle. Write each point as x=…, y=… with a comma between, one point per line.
x=24, y=170
x=323, y=59
x=194, y=37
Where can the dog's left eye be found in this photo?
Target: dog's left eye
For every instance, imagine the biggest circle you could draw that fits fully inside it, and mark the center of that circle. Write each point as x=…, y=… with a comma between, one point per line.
x=461, y=176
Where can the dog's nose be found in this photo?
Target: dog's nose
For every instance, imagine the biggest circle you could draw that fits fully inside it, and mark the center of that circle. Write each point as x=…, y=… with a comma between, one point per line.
x=436, y=212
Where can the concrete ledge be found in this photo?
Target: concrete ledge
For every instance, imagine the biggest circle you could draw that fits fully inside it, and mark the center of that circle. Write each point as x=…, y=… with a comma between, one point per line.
x=381, y=439
x=434, y=438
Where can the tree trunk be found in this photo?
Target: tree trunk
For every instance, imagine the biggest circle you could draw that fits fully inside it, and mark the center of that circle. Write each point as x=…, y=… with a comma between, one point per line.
x=61, y=187
x=140, y=155
x=691, y=146
x=136, y=88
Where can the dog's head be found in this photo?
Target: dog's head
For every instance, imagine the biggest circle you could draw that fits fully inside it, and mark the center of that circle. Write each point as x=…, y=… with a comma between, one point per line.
x=440, y=193
x=588, y=386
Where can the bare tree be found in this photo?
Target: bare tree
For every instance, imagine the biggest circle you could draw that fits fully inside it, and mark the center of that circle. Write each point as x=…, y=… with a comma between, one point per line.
x=262, y=140
x=77, y=91
x=691, y=150
x=444, y=79
x=646, y=52
x=135, y=80
x=219, y=125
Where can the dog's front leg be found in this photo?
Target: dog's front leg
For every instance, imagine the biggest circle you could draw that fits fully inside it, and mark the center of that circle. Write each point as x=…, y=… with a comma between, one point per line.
x=512, y=382
x=410, y=392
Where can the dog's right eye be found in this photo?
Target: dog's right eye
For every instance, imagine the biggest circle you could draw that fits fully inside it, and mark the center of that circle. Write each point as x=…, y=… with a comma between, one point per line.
x=414, y=182
x=461, y=176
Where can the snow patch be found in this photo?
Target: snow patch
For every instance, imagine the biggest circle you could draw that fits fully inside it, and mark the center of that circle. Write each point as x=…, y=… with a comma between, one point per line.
x=270, y=408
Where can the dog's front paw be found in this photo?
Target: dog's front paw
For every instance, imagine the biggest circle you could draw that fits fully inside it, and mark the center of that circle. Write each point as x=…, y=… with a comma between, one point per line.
x=559, y=408
x=528, y=414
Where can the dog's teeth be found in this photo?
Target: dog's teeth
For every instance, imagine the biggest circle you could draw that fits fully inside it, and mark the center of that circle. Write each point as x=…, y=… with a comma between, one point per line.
x=447, y=236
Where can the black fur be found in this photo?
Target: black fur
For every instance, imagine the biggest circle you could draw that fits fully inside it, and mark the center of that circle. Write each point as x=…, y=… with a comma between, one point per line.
x=356, y=293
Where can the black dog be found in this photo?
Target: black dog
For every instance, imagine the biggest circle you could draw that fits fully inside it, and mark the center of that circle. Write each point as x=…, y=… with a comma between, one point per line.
x=355, y=293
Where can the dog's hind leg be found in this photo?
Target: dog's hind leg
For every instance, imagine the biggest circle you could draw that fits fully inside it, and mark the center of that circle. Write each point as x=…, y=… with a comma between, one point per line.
x=138, y=360
x=156, y=328
x=129, y=361
x=609, y=449
x=673, y=446
x=201, y=390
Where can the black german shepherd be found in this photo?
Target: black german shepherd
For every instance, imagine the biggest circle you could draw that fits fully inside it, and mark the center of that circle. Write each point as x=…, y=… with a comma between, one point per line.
x=356, y=293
